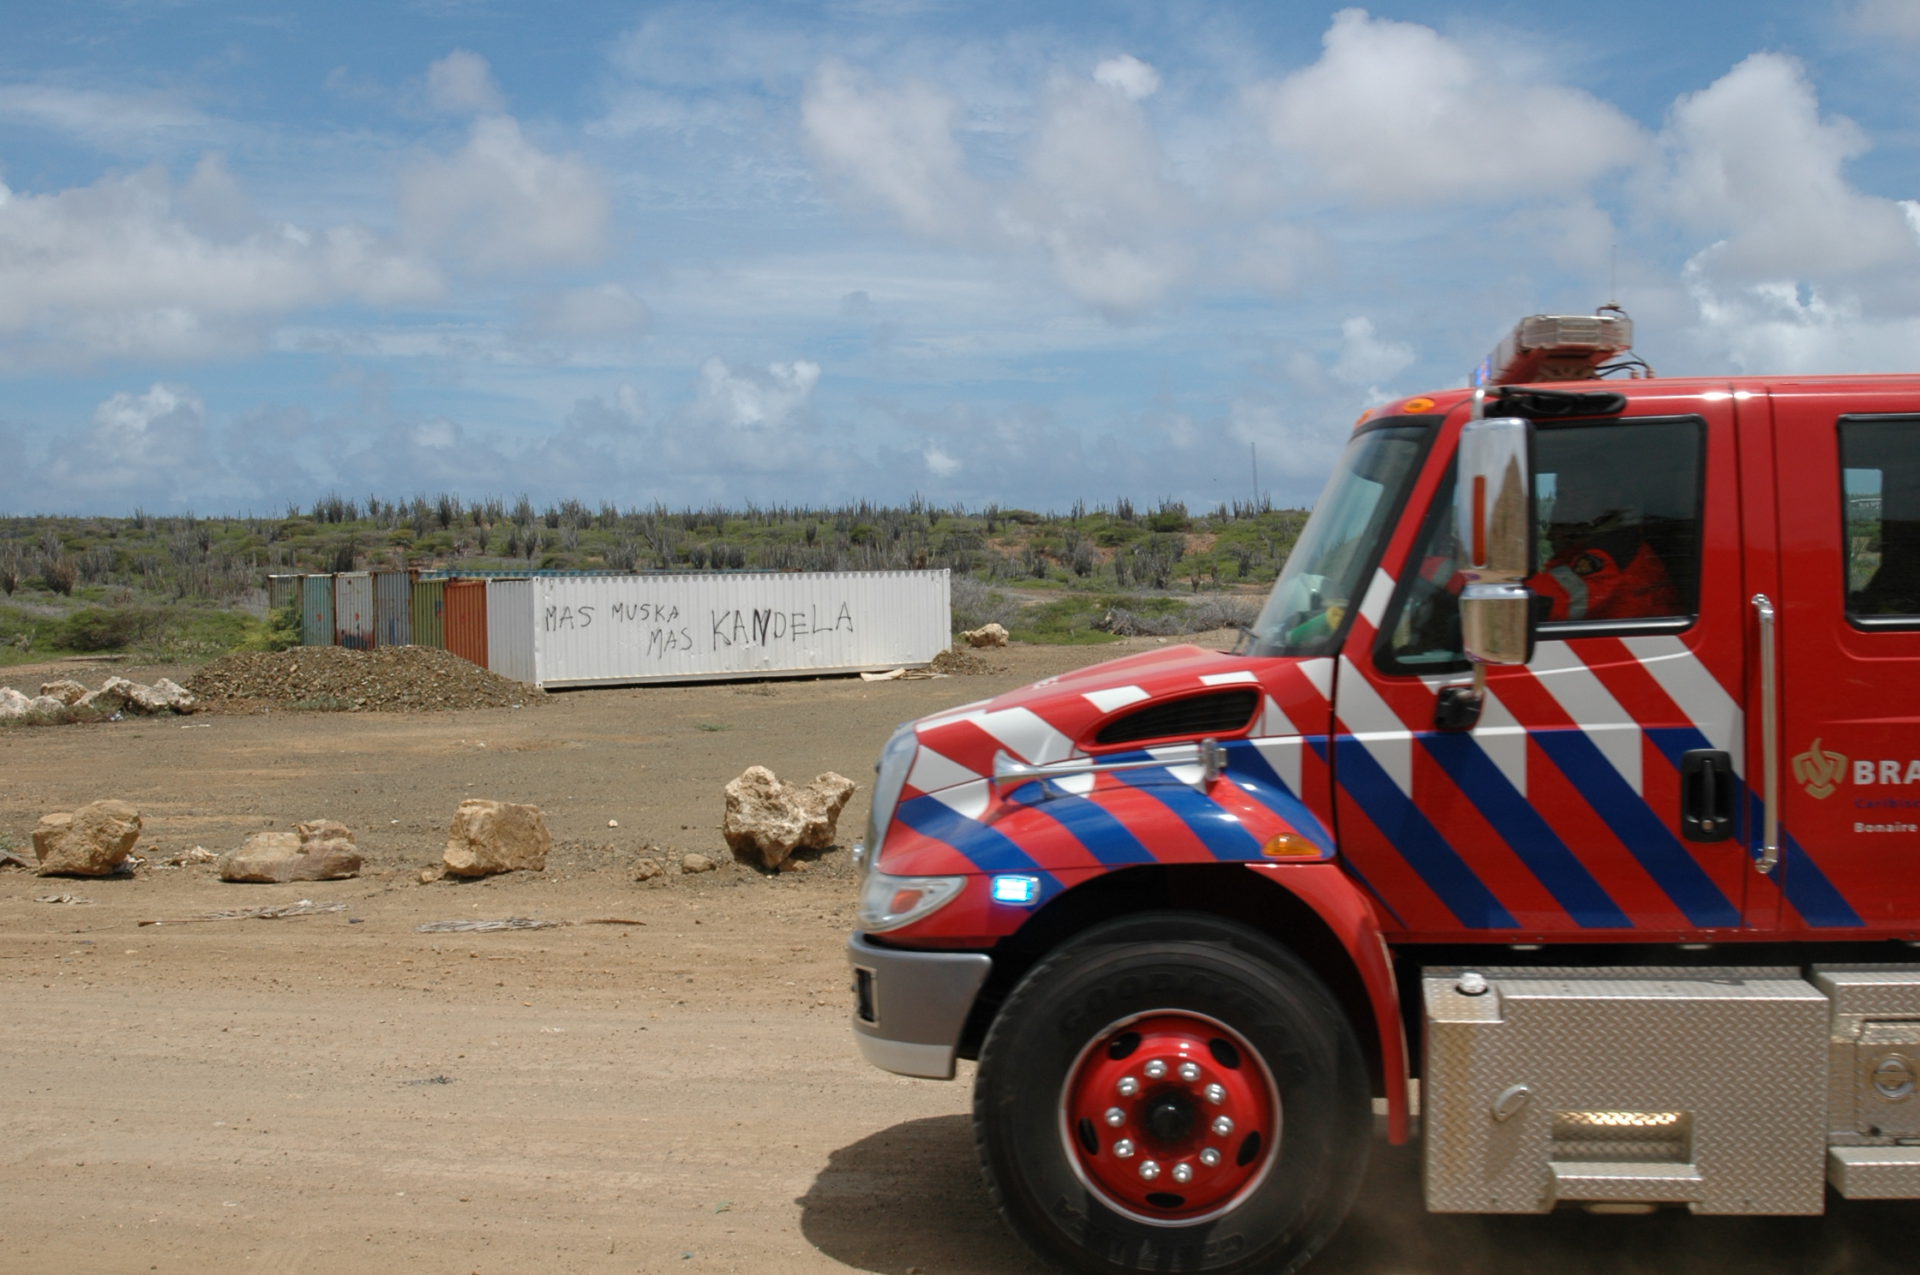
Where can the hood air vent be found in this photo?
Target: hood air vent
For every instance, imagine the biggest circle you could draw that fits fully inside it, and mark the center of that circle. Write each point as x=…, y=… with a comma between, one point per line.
x=1222, y=713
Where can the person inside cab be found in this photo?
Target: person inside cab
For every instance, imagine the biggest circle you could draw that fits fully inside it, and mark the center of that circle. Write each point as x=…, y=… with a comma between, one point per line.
x=1600, y=566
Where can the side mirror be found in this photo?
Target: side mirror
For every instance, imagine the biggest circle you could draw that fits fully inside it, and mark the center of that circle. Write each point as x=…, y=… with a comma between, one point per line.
x=1493, y=516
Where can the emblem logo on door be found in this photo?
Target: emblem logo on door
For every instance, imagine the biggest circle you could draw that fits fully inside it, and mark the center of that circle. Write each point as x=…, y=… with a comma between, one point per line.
x=1819, y=771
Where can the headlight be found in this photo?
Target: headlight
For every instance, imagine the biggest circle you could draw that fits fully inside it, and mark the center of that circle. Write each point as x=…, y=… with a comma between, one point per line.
x=890, y=776
x=889, y=902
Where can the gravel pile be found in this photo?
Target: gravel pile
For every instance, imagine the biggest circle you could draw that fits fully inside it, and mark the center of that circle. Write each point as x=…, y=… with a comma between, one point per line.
x=955, y=662
x=389, y=679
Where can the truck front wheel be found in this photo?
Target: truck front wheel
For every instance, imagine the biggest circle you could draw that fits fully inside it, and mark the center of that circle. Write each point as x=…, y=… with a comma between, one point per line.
x=1172, y=1093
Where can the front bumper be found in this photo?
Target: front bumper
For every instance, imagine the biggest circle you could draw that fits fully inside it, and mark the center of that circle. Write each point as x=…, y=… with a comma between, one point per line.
x=910, y=1007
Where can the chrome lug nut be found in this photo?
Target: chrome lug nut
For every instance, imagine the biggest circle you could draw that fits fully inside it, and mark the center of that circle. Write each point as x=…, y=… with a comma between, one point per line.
x=1189, y=1072
x=1116, y=1117
x=1155, y=1069
x=1149, y=1170
x=1216, y=1094
x=1222, y=1125
x=1124, y=1148
x=1183, y=1173
x=1128, y=1086
x=1210, y=1157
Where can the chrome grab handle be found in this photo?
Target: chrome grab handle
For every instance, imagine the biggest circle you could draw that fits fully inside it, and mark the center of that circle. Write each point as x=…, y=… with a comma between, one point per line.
x=1009, y=773
x=1769, y=857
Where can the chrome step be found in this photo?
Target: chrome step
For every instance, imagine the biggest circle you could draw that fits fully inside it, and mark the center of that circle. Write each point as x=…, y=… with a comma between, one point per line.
x=1875, y=1173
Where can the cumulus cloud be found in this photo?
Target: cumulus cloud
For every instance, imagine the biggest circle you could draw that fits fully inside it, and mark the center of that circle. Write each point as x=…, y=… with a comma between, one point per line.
x=1750, y=160
x=140, y=266
x=1128, y=75
x=138, y=445
x=462, y=83
x=1365, y=360
x=1092, y=193
x=894, y=146
x=504, y=204
x=768, y=398
x=1396, y=113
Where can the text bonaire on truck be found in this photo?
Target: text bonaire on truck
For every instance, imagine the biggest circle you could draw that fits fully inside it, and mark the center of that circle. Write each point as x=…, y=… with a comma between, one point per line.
x=1568, y=773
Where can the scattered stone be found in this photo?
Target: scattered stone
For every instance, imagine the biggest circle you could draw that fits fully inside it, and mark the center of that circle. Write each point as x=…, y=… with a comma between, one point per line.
x=497, y=836
x=435, y=872
x=108, y=700
x=199, y=854
x=13, y=705
x=66, y=690
x=319, y=851
x=986, y=635
x=648, y=870
x=772, y=819
x=164, y=696
x=697, y=863
x=93, y=841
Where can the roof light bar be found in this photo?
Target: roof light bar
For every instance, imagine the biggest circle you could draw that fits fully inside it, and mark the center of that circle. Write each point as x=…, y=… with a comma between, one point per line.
x=1556, y=347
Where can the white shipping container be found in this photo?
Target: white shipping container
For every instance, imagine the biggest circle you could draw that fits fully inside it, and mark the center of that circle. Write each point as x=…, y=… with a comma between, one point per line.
x=510, y=629
x=625, y=630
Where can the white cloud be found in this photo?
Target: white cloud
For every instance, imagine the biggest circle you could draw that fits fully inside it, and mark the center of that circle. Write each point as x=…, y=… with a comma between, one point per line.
x=602, y=310
x=1396, y=113
x=462, y=83
x=1366, y=361
x=132, y=122
x=504, y=204
x=769, y=398
x=139, y=266
x=1750, y=160
x=1128, y=75
x=1886, y=19
x=940, y=463
x=147, y=446
x=894, y=146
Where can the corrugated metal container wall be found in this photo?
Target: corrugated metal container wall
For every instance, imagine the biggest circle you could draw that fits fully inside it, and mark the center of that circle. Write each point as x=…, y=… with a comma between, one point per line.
x=466, y=613
x=510, y=628
x=392, y=608
x=621, y=630
x=283, y=591
x=316, y=611
x=430, y=613
x=353, y=610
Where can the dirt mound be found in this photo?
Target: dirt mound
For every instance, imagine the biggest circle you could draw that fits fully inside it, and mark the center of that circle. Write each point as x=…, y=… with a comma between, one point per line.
x=388, y=679
x=955, y=662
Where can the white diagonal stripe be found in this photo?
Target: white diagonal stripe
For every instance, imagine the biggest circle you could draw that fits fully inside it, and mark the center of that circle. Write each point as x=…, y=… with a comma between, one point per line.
x=1285, y=756
x=1375, y=726
x=1227, y=679
x=1115, y=697
x=1274, y=720
x=1698, y=693
x=1374, y=604
x=1026, y=735
x=933, y=771
x=1593, y=708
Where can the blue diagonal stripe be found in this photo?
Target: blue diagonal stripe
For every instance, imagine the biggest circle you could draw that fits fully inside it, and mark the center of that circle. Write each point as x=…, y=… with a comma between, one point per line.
x=1531, y=837
x=1419, y=843
x=1218, y=828
x=1092, y=825
x=1645, y=835
x=1245, y=762
x=988, y=849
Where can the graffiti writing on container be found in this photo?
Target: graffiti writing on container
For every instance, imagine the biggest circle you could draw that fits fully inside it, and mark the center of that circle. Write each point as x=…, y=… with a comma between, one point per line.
x=665, y=635
x=763, y=625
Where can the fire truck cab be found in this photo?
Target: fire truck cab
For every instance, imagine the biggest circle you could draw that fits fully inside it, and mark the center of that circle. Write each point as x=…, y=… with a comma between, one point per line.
x=1570, y=778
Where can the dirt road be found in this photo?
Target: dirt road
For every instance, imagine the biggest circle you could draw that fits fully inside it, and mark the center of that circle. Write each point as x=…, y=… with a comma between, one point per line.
x=340, y=1092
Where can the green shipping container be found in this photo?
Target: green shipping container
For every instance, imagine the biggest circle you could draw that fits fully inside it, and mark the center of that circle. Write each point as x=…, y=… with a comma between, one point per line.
x=430, y=613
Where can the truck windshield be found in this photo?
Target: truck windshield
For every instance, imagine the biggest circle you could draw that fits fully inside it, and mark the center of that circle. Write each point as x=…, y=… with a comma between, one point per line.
x=1307, y=611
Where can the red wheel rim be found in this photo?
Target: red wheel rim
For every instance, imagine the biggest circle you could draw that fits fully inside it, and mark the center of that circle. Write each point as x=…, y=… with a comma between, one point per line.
x=1171, y=1116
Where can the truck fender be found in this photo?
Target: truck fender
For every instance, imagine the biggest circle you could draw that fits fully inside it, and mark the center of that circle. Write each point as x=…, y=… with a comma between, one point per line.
x=1346, y=911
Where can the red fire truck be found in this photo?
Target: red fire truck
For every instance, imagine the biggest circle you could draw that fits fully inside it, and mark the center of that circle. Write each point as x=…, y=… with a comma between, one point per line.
x=1569, y=780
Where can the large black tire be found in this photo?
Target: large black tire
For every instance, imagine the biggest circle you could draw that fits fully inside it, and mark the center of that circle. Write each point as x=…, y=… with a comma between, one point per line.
x=1255, y=1021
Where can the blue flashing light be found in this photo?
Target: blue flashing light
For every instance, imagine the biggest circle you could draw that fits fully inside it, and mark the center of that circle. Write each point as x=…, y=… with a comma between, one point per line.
x=1020, y=890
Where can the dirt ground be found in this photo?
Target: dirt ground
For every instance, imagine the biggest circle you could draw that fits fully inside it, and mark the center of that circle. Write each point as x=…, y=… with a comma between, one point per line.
x=339, y=1092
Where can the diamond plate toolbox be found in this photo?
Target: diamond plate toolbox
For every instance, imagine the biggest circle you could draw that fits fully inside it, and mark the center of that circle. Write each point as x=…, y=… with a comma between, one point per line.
x=1703, y=1087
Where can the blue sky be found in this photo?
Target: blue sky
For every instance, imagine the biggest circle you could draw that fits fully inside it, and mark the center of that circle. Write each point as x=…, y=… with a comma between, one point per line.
x=813, y=253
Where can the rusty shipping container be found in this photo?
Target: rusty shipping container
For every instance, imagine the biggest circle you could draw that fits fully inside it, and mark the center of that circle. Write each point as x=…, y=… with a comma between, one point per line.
x=316, y=610
x=353, y=610
x=615, y=630
x=430, y=613
x=466, y=620
x=392, y=608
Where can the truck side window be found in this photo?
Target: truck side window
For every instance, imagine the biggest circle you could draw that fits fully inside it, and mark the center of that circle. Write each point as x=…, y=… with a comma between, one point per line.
x=1880, y=463
x=1618, y=509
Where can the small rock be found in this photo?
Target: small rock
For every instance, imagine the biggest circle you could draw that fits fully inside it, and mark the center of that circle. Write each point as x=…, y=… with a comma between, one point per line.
x=66, y=690
x=771, y=819
x=613, y=823
x=986, y=635
x=488, y=837
x=697, y=863
x=432, y=873
x=648, y=869
x=318, y=851
x=93, y=841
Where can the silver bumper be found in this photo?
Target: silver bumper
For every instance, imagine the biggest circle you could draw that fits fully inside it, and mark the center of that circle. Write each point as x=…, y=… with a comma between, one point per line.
x=910, y=1007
